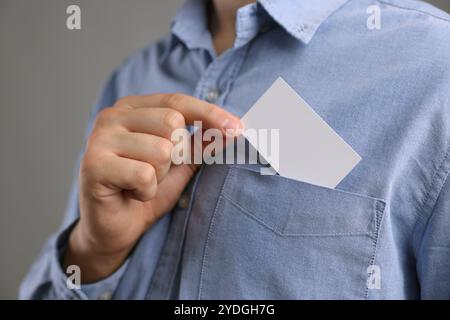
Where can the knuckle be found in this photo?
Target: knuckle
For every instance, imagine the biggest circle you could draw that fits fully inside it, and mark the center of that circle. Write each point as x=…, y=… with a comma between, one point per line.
x=97, y=192
x=208, y=110
x=148, y=194
x=124, y=101
x=152, y=192
x=107, y=117
x=162, y=171
x=173, y=119
x=97, y=140
x=88, y=166
x=175, y=99
x=144, y=176
x=164, y=150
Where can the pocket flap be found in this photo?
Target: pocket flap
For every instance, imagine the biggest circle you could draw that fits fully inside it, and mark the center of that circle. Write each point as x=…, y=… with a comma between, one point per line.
x=293, y=208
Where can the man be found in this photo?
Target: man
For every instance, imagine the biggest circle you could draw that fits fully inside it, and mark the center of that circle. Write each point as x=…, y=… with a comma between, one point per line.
x=139, y=227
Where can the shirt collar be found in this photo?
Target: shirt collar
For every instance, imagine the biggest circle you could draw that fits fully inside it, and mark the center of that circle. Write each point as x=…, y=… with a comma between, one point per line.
x=300, y=18
x=190, y=24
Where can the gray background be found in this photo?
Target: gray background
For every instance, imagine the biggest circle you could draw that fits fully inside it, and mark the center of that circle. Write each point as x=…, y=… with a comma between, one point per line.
x=49, y=78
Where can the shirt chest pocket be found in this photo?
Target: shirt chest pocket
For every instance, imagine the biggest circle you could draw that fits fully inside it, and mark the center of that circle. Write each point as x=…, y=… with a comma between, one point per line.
x=276, y=238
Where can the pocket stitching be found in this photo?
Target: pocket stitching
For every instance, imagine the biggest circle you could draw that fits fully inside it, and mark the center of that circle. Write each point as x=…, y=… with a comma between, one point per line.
x=284, y=234
x=380, y=207
x=232, y=174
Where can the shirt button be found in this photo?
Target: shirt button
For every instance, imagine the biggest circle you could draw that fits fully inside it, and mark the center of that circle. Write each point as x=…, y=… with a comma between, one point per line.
x=212, y=95
x=183, y=203
x=107, y=295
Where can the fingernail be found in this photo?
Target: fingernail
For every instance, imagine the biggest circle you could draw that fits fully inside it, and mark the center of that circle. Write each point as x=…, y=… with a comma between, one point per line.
x=232, y=128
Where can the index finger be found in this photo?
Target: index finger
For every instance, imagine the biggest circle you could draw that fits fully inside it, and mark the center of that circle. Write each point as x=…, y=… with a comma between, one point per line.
x=192, y=109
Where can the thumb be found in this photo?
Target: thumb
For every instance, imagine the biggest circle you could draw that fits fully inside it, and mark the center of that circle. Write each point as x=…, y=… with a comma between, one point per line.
x=171, y=188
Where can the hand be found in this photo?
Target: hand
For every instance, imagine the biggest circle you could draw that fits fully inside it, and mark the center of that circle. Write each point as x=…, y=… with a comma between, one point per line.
x=127, y=181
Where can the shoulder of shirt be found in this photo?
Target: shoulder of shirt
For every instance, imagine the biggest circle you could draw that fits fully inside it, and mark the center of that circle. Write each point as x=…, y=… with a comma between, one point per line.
x=418, y=7
x=416, y=21
x=432, y=23
x=154, y=50
x=135, y=68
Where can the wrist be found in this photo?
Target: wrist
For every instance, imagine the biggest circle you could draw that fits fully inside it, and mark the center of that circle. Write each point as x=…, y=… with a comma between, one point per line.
x=95, y=264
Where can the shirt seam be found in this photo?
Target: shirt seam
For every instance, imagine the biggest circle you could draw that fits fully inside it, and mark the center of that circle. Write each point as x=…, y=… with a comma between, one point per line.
x=210, y=226
x=437, y=183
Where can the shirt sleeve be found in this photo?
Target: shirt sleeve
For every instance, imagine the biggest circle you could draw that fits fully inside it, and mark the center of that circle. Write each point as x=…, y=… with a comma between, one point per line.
x=433, y=254
x=46, y=279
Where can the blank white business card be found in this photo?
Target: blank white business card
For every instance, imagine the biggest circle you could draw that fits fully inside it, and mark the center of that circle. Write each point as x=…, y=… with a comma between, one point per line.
x=309, y=149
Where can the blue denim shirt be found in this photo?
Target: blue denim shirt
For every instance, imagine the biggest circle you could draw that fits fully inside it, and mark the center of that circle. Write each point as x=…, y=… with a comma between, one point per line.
x=382, y=233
